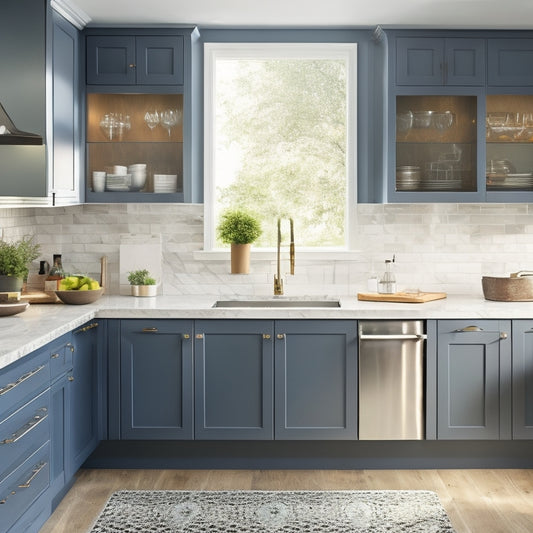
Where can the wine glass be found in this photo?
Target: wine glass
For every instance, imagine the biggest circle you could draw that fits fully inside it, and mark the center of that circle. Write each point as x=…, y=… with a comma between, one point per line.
x=443, y=121
x=169, y=118
x=152, y=119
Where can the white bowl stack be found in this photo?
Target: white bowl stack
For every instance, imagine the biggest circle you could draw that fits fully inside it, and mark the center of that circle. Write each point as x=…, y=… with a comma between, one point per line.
x=138, y=176
x=165, y=183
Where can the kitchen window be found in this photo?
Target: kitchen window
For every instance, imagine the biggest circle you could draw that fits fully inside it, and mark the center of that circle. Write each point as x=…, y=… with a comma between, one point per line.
x=280, y=138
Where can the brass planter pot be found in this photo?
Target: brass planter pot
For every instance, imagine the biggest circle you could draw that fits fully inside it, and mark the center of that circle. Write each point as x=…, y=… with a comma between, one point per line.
x=144, y=290
x=240, y=258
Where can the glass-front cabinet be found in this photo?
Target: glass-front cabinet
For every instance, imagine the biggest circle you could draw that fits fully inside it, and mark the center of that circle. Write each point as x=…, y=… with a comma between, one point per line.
x=436, y=143
x=134, y=147
x=509, y=144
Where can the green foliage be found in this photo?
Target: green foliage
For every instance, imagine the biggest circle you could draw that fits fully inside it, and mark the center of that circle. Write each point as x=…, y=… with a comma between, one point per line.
x=286, y=120
x=141, y=277
x=238, y=227
x=15, y=257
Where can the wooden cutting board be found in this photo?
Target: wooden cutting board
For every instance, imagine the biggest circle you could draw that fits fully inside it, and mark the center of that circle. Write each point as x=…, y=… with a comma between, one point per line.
x=401, y=297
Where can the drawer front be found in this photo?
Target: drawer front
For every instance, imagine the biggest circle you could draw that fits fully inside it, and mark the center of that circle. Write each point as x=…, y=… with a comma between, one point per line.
x=61, y=357
x=25, y=431
x=23, y=486
x=21, y=381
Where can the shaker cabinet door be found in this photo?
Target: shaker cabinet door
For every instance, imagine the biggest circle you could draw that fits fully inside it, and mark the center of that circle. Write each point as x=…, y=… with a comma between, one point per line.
x=419, y=61
x=510, y=62
x=110, y=60
x=159, y=60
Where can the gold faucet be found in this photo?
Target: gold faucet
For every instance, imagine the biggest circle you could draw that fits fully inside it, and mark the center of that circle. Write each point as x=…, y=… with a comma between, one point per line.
x=278, y=280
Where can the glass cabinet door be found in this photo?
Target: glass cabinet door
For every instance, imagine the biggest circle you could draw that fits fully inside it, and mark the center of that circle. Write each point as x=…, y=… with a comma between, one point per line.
x=509, y=143
x=134, y=146
x=436, y=143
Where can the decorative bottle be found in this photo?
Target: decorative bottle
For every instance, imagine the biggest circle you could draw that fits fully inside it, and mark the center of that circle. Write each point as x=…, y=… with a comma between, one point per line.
x=55, y=275
x=387, y=283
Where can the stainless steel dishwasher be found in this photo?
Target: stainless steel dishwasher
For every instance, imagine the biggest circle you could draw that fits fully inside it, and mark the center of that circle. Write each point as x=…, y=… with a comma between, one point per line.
x=391, y=379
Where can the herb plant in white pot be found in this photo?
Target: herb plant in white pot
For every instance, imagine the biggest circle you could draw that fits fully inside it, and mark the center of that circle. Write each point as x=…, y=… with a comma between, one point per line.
x=142, y=283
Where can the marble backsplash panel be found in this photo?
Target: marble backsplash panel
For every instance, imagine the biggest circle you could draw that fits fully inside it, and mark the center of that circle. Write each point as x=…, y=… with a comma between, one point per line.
x=439, y=247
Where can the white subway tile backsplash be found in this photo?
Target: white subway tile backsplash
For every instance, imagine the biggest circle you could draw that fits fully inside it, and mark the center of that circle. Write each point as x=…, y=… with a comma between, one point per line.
x=444, y=247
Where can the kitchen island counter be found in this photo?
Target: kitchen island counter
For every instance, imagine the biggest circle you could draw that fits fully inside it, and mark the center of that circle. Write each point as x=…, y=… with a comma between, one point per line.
x=41, y=323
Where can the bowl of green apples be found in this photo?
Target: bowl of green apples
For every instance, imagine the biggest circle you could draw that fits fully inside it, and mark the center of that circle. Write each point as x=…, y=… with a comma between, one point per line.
x=79, y=289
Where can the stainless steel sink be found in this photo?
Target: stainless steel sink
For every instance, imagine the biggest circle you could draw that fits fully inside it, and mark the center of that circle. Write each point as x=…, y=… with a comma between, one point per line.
x=274, y=302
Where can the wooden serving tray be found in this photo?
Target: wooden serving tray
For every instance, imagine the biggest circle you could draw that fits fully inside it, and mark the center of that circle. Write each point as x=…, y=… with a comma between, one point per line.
x=402, y=297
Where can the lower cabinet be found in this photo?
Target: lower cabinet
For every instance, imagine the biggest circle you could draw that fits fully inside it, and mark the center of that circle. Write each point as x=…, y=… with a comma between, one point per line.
x=156, y=379
x=316, y=379
x=234, y=367
x=474, y=379
x=522, y=379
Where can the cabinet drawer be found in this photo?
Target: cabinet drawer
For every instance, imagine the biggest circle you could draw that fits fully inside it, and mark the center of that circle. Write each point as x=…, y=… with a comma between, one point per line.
x=61, y=357
x=23, y=432
x=21, y=381
x=23, y=486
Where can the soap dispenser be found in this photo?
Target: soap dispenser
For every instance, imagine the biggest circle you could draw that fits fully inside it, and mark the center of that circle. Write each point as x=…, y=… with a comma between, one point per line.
x=387, y=283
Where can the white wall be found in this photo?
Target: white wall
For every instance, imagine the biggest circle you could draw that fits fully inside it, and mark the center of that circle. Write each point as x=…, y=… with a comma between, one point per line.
x=442, y=247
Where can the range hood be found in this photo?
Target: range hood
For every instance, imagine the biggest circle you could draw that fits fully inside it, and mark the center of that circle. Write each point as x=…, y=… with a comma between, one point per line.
x=10, y=134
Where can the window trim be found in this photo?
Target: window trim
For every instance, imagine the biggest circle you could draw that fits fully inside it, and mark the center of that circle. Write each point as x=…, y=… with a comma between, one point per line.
x=243, y=50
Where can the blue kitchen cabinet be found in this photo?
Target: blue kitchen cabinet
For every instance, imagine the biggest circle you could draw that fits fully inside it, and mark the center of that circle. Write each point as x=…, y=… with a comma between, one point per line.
x=65, y=162
x=25, y=455
x=234, y=379
x=474, y=379
x=86, y=393
x=156, y=379
x=437, y=61
x=315, y=379
x=510, y=62
x=135, y=59
x=522, y=379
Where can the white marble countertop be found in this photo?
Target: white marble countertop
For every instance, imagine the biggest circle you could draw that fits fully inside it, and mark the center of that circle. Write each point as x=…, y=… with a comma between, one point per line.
x=41, y=323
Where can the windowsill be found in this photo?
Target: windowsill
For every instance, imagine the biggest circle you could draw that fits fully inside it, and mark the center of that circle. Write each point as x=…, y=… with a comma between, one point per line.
x=271, y=255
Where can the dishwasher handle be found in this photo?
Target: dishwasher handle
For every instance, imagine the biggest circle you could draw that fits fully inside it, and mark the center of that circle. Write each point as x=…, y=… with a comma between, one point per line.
x=392, y=337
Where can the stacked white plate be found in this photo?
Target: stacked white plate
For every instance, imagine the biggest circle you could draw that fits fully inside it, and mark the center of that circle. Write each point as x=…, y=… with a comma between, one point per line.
x=165, y=183
x=118, y=182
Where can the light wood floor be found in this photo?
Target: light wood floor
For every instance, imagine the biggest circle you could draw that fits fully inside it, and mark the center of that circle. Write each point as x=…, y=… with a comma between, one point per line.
x=477, y=501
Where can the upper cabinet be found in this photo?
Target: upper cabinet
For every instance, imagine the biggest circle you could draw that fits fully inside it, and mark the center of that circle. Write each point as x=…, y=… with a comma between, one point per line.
x=135, y=60
x=510, y=62
x=460, y=117
x=440, y=61
x=139, y=115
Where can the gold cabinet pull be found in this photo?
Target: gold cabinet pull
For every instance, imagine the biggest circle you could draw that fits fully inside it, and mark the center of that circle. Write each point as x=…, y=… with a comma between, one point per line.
x=35, y=420
x=469, y=328
x=71, y=378
x=54, y=356
x=503, y=335
x=87, y=328
x=186, y=336
x=34, y=474
x=266, y=336
x=20, y=380
x=280, y=336
x=71, y=346
x=199, y=335
x=150, y=330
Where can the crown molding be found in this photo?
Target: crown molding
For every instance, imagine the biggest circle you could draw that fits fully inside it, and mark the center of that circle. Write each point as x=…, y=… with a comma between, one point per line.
x=71, y=12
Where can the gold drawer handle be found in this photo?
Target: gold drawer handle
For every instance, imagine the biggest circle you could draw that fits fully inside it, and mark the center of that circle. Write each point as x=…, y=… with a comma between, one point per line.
x=186, y=336
x=280, y=336
x=37, y=418
x=22, y=379
x=54, y=356
x=266, y=336
x=150, y=330
x=34, y=474
x=87, y=328
x=199, y=335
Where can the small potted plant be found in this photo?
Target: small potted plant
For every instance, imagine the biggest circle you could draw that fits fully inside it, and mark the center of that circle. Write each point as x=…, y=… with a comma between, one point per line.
x=15, y=259
x=240, y=229
x=142, y=284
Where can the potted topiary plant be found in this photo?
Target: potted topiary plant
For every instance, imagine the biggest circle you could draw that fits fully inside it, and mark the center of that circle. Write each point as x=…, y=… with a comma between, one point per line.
x=142, y=283
x=15, y=259
x=240, y=229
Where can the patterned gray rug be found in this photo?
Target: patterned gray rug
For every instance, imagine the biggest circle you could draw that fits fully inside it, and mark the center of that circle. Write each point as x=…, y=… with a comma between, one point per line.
x=176, y=511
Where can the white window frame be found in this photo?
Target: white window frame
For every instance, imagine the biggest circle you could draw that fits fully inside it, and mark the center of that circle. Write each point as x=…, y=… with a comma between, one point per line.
x=267, y=50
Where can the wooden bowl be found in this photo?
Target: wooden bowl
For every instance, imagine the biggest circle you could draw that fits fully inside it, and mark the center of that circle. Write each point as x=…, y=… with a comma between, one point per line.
x=79, y=297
